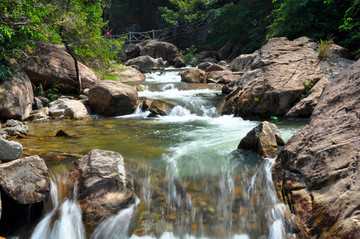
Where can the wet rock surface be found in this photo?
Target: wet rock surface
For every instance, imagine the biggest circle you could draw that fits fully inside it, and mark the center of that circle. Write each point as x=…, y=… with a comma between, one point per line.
x=264, y=139
x=316, y=173
x=193, y=75
x=104, y=186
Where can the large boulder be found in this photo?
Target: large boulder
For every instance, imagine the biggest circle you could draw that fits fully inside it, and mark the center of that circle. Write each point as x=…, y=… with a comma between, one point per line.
x=104, y=186
x=265, y=139
x=193, y=75
x=276, y=77
x=317, y=172
x=25, y=180
x=165, y=50
x=111, y=98
x=68, y=108
x=53, y=65
x=16, y=97
x=143, y=63
x=10, y=150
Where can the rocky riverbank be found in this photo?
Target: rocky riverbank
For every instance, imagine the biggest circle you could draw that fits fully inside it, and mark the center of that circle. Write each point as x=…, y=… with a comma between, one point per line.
x=284, y=78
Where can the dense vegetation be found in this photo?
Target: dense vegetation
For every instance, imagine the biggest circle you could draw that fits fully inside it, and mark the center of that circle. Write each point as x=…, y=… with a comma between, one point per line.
x=249, y=23
x=79, y=23
x=76, y=23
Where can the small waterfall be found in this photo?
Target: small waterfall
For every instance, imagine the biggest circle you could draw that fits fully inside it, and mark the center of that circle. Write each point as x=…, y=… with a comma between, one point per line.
x=64, y=221
x=115, y=227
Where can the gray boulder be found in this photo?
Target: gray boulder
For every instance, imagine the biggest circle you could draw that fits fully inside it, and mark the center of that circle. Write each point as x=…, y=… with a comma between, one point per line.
x=16, y=97
x=9, y=150
x=68, y=108
x=25, y=180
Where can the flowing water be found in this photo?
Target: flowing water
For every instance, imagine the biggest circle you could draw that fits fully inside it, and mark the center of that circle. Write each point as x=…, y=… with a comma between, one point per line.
x=191, y=181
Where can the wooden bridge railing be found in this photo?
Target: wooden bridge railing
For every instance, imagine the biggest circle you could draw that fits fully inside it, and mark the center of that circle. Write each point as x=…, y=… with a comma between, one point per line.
x=165, y=34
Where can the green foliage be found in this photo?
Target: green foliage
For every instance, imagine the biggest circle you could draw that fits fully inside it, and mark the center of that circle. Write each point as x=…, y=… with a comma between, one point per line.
x=318, y=19
x=257, y=100
x=22, y=23
x=351, y=27
x=308, y=86
x=243, y=22
x=323, y=47
x=189, y=54
x=187, y=11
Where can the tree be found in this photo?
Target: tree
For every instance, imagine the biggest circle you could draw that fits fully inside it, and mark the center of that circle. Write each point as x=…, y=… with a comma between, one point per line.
x=75, y=23
x=21, y=22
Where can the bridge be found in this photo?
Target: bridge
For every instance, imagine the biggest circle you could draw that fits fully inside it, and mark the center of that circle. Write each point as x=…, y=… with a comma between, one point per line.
x=166, y=34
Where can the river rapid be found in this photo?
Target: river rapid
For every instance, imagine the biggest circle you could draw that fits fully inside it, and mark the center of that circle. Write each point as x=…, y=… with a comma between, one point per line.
x=190, y=182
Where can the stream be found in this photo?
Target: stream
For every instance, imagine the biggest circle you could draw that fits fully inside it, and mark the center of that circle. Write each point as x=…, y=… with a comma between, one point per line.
x=191, y=181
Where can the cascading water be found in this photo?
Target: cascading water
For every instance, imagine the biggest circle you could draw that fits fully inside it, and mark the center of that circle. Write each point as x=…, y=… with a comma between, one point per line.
x=193, y=182
x=64, y=221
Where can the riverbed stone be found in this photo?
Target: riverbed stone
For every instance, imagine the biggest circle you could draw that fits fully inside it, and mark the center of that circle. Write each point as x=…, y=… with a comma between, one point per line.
x=52, y=65
x=265, y=139
x=25, y=180
x=316, y=174
x=9, y=150
x=276, y=76
x=193, y=75
x=160, y=107
x=67, y=108
x=110, y=98
x=16, y=97
x=104, y=186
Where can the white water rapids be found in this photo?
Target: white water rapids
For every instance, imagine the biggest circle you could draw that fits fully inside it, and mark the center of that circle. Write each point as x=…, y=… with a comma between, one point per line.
x=210, y=189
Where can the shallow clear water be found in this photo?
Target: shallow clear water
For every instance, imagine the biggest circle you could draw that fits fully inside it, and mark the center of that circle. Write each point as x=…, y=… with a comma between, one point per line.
x=191, y=182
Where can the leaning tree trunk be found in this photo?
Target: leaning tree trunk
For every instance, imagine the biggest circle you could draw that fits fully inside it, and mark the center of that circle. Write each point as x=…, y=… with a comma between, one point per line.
x=71, y=52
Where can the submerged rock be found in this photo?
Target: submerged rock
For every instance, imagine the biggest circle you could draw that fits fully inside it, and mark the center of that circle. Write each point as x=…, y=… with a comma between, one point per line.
x=264, y=139
x=110, y=98
x=10, y=150
x=193, y=75
x=104, y=186
x=317, y=172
